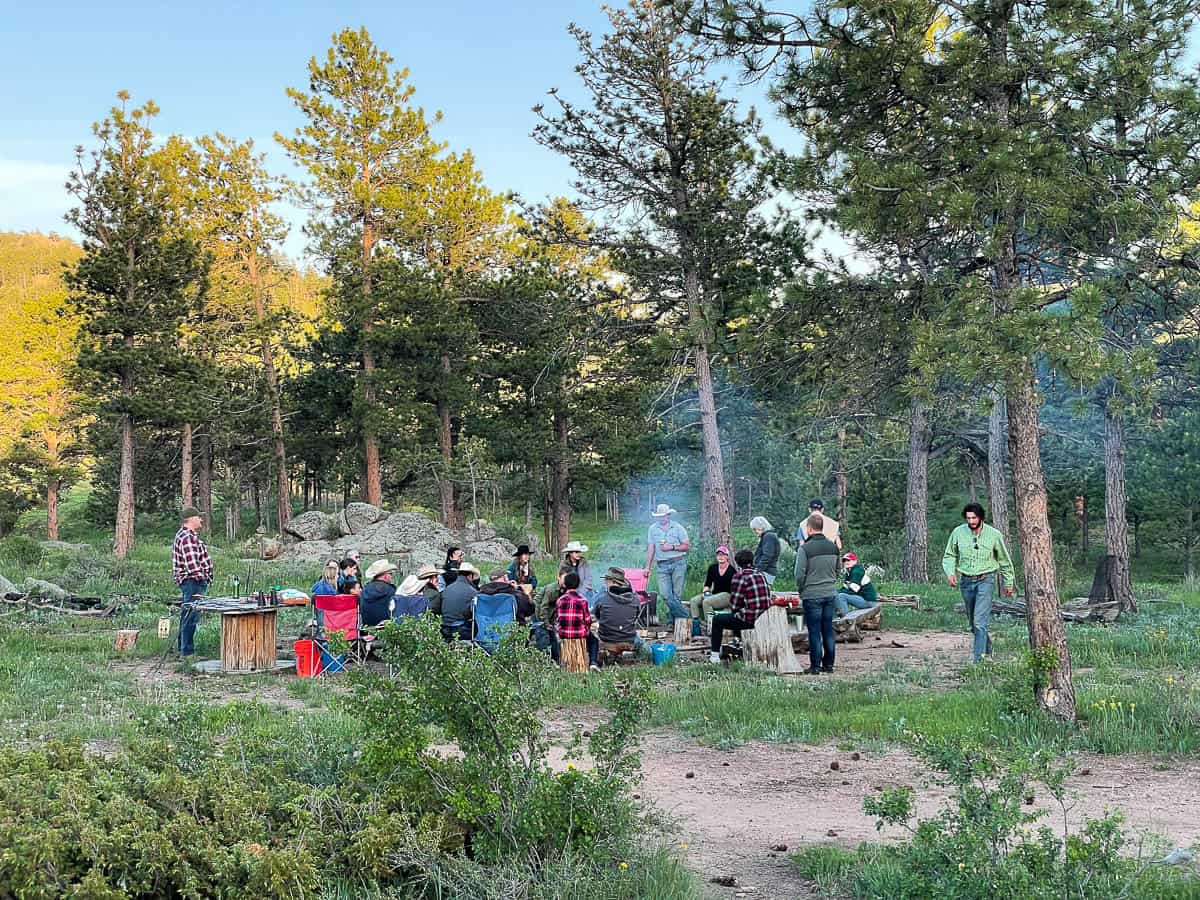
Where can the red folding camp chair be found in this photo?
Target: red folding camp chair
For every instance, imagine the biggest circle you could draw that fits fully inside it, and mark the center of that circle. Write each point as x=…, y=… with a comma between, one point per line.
x=342, y=616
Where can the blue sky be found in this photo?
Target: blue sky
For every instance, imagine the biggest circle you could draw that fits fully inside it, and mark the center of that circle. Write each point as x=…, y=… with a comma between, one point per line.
x=224, y=66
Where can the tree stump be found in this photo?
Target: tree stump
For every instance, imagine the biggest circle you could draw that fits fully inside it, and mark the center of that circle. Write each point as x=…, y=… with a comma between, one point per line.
x=573, y=652
x=126, y=638
x=683, y=632
x=770, y=642
x=614, y=652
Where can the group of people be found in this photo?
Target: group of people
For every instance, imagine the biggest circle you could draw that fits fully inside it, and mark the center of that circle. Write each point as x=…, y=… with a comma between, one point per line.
x=736, y=591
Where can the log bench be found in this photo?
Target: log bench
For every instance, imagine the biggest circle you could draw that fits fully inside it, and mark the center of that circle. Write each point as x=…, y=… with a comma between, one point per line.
x=847, y=629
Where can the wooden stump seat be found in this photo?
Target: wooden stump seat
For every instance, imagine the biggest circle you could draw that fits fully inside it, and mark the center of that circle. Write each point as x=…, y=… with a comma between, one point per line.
x=683, y=632
x=573, y=652
x=769, y=643
x=614, y=652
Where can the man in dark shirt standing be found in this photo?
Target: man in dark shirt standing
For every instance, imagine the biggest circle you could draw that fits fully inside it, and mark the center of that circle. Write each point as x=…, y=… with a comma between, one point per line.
x=816, y=581
x=192, y=569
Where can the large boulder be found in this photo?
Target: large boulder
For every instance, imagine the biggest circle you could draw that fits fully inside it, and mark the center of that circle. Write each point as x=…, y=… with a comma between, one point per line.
x=411, y=535
x=312, y=551
x=44, y=589
x=358, y=517
x=495, y=550
x=269, y=548
x=313, y=525
x=476, y=530
x=7, y=587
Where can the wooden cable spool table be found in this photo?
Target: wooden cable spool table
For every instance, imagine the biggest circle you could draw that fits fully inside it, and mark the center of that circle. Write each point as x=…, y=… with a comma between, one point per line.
x=247, y=636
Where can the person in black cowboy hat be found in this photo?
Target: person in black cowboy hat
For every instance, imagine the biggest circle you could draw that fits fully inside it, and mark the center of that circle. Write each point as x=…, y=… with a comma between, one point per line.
x=520, y=570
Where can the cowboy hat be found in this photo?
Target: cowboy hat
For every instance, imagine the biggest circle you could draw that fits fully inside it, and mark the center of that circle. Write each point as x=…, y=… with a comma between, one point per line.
x=379, y=567
x=467, y=568
x=427, y=571
x=522, y=550
x=616, y=577
x=663, y=509
x=411, y=585
x=575, y=547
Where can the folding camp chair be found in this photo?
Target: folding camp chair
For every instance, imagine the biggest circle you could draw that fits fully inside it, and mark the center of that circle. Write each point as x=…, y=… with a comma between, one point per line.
x=342, y=616
x=647, y=614
x=493, y=614
x=412, y=605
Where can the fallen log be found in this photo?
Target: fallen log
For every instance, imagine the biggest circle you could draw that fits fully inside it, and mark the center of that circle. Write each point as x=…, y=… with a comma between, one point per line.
x=1080, y=609
x=903, y=601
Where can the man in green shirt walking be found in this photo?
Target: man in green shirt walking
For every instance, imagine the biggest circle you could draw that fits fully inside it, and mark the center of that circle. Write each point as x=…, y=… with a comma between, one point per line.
x=974, y=555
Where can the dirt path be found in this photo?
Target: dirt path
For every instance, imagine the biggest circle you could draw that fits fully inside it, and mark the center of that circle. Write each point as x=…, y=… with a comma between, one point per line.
x=739, y=805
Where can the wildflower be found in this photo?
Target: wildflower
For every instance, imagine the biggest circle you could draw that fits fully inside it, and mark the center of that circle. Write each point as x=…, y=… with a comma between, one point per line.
x=1132, y=707
x=1170, y=680
x=961, y=866
x=570, y=767
x=623, y=866
x=683, y=845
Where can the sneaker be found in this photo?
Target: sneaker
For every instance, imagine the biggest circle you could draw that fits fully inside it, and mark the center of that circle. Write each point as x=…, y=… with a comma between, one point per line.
x=714, y=658
x=593, y=668
x=811, y=671
x=825, y=671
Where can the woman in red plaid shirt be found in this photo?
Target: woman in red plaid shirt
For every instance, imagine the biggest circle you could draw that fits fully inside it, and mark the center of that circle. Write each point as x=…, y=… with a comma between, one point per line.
x=749, y=599
x=573, y=621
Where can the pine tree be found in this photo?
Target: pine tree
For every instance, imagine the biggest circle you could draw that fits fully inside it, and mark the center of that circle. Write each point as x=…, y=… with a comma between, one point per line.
x=369, y=154
x=133, y=289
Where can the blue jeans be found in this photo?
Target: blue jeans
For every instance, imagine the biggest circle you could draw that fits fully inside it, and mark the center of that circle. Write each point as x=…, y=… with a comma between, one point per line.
x=671, y=575
x=844, y=600
x=545, y=641
x=189, y=617
x=977, y=594
x=818, y=619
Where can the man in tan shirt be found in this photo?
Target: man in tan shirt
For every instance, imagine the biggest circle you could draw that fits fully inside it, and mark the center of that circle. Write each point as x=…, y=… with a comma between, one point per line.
x=832, y=529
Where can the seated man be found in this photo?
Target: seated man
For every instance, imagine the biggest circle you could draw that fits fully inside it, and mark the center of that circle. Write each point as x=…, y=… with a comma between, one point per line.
x=749, y=599
x=857, y=589
x=573, y=621
x=617, y=610
x=375, y=602
x=456, y=604
x=545, y=613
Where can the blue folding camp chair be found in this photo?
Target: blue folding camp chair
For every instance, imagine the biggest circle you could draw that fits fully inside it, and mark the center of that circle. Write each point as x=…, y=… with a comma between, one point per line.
x=409, y=605
x=493, y=614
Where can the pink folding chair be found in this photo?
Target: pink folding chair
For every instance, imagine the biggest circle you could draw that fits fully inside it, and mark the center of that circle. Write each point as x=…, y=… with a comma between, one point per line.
x=342, y=616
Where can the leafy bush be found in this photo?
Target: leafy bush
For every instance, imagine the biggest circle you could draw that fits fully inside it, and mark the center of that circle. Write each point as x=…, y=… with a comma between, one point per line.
x=22, y=550
x=989, y=842
x=495, y=787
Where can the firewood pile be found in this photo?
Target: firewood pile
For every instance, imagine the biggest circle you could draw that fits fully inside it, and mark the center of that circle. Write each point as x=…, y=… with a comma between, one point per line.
x=71, y=605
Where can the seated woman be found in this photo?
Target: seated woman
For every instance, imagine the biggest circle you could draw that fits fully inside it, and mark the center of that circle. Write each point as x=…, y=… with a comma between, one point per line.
x=347, y=568
x=454, y=558
x=857, y=589
x=327, y=586
x=718, y=582
x=520, y=571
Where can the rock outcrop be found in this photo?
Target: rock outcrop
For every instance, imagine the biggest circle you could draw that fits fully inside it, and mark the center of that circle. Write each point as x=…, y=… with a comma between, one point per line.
x=311, y=526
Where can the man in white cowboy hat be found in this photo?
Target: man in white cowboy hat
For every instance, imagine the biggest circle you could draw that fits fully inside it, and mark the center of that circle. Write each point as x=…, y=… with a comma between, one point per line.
x=375, y=602
x=456, y=604
x=573, y=556
x=668, y=547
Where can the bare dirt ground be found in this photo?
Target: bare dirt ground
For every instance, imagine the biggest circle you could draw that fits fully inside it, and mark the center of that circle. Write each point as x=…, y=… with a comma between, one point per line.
x=736, y=806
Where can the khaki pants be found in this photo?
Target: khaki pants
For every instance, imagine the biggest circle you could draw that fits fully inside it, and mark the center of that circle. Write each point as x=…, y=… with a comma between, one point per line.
x=702, y=606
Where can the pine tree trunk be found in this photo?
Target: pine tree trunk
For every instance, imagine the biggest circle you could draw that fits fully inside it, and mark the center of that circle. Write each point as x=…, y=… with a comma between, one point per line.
x=233, y=512
x=52, y=488
x=716, y=517
x=916, y=496
x=278, y=449
x=372, y=476
x=1057, y=693
x=843, y=482
x=997, y=469
x=449, y=512
x=1116, y=526
x=560, y=484
x=185, y=459
x=203, y=456
x=123, y=538
x=1190, y=538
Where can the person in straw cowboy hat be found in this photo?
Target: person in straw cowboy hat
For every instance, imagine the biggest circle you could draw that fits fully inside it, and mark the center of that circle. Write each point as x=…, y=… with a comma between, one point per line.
x=375, y=602
x=573, y=556
x=668, y=547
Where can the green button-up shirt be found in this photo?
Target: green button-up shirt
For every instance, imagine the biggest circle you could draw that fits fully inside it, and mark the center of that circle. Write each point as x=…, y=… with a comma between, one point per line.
x=971, y=554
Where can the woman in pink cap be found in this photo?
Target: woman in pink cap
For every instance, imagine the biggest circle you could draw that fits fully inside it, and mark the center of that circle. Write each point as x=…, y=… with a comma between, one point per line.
x=718, y=583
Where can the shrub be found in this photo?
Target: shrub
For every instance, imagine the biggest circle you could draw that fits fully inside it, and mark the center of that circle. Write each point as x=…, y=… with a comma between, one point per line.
x=990, y=841
x=22, y=550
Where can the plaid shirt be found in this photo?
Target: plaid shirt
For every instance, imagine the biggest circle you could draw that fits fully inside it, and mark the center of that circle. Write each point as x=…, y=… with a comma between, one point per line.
x=189, y=558
x=573, y=620
x=751, y=595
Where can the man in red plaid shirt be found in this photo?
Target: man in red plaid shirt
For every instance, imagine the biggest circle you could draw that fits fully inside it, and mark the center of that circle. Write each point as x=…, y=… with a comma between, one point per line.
x=193, y=570
x=749, y=599
x=573, y=620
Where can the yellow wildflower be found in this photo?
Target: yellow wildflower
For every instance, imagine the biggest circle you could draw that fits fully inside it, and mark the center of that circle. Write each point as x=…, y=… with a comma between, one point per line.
x=623, y=866
x=683, y=845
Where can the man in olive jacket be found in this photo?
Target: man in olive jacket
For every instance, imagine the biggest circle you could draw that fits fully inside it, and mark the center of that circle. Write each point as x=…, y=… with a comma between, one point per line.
x=816, y=580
